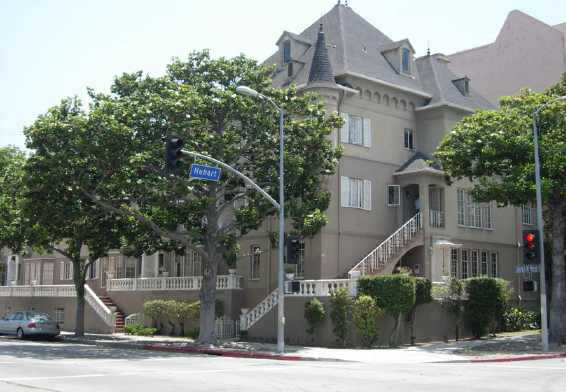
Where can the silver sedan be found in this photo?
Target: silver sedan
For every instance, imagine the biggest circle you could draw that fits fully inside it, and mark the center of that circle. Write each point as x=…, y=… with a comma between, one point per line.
x=24, y=324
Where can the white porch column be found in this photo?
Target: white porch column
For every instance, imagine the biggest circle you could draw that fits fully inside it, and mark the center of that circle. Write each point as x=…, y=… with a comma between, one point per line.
x=441, y=258
x=147, y=266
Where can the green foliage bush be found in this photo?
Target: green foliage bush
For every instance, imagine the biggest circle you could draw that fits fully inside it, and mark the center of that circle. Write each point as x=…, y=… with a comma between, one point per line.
x=193, y=333
x=519, y=319
x=244, y=335
x=314, y=314
x=154, y=309
x=394, y=294
x=423, y=295
x=365, y=318
x=487, y=299
x=340, y=308
x=455, y=304
x=138, y=329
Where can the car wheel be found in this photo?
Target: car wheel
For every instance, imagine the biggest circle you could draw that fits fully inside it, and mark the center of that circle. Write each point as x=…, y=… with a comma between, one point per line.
x=20, y=333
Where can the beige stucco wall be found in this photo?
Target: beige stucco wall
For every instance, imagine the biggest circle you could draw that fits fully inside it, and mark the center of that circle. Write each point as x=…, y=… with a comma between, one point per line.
x=526, y=53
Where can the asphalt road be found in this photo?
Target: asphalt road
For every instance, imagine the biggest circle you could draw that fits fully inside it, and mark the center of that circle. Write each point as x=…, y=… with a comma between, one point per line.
x=52, y=366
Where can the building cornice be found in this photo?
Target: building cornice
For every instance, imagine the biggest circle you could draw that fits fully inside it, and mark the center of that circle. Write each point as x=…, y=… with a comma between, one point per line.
x=446, y=104
x=384, y=83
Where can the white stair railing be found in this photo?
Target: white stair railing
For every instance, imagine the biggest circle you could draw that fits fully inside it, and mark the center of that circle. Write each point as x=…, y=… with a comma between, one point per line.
x=388, y=248
x=247, y=319
x=108, y=316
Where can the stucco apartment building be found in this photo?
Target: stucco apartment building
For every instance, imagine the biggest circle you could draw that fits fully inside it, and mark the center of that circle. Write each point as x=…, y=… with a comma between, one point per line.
x=526, y=53
x=390, y=206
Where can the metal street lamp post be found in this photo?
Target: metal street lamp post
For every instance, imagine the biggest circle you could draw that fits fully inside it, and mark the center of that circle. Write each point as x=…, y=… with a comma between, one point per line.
x=542, y=273
x=281, y=293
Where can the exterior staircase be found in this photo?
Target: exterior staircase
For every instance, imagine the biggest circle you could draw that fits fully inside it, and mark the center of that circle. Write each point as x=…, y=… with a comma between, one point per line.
x=382, y=259
x=120, y=317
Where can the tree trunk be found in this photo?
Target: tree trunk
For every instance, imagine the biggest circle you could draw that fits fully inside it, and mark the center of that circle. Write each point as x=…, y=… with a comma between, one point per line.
x=393, y=334
x=557, y=326
x=412, y=325
x=207, y=297
x=79, y=281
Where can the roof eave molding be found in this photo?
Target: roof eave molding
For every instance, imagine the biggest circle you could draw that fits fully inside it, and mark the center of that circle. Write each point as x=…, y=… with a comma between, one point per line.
x=426, y=170
x=384, y=83
x=447, y=104
x=293, y=37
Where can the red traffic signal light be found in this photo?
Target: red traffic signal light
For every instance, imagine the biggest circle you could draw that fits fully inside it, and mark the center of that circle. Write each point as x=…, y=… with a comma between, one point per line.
x=531, y=246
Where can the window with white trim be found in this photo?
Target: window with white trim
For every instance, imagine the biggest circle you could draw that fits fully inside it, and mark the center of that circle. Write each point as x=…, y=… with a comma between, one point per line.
x=494, y=265
x=526, y=213
x=464, y=254
x=119, y=267
x=393, y=195
x=454, y=263
x=196, y=261
x=60, y=316
x=409, y=139
x=48, y=273
x=461, y=207
x=93, y=270
x=66, y=272
x=130, y=268
x=255, y=262
x=300, y=269
x=475, y=256
x=355, y=193
x=474, y=213
x=487, y=216
x=484, y=263
x=356, y=130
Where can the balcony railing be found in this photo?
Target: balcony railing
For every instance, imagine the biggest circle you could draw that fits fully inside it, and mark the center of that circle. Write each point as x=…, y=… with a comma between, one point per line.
x=435, y=218
x=223, y=282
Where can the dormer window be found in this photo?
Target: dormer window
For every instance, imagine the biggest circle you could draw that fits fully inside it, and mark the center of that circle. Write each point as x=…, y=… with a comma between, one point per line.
x=405, y=60
x=286, y=51
x=463, y=85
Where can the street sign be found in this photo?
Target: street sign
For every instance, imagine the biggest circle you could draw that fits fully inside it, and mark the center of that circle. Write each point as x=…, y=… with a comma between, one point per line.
x=526, y=269
x=205, y=172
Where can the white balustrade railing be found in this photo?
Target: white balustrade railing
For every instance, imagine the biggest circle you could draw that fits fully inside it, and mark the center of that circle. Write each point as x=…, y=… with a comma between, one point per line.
x=247, y=319
x=108, y=316
x=323, y=287
x=436, y=218
x=223, y=282
x=53, y=291
x=387, y=249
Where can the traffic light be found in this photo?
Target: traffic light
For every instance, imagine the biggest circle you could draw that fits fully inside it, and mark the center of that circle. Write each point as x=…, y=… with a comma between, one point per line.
x=531, y=246
x=529, y=285
x=173, y=154
x=293, y=250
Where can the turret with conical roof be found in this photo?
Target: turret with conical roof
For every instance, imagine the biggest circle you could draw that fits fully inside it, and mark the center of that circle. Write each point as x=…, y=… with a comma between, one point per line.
x=321, y=74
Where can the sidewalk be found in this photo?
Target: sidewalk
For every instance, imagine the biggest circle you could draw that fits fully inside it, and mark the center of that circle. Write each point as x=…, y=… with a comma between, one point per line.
x=507, y=347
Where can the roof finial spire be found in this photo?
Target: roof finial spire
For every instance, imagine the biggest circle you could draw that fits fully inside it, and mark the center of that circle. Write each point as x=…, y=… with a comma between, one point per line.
x=346, y=3
x=428, y=47
x=338, y=2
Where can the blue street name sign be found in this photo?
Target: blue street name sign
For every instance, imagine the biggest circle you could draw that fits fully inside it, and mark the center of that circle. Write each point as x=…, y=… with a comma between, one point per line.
x=526, y=269
x=205, y=172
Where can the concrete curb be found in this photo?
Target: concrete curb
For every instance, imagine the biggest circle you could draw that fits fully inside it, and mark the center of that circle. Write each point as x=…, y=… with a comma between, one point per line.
x=223, y=353
x=519, y=358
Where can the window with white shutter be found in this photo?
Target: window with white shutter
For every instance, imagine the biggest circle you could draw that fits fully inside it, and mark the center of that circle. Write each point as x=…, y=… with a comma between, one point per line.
x=355, y=193
x=356, y=130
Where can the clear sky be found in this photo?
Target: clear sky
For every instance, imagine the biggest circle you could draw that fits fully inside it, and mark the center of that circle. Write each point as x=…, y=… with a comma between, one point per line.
x=51, y=49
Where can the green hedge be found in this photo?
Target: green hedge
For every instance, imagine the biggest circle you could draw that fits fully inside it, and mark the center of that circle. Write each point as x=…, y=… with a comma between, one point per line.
x=487, y=299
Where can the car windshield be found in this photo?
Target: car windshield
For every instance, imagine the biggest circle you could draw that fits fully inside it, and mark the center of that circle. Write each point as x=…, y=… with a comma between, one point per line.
x=38, y=317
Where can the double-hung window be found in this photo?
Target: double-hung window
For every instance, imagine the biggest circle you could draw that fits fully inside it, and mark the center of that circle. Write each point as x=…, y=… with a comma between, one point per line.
x=472, y=214
x=66, y=272
x=255, y=262
x=454, y=263
x=475, y=254
x=494, y=265
x=484, y=263
x=526, y=214
x=464, y=253
x=355, y=193
x=356, y=130
x=409, y=139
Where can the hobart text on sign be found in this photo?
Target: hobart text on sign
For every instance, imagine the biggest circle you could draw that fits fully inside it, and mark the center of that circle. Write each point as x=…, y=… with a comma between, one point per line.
x=526, y=269
x=205, y=172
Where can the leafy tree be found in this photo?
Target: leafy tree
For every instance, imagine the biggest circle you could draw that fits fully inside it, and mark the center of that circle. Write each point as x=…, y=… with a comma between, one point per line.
x=155, y=309
x=495, y=150
x=55, y=215
x=12, y=162
x=197, y=100
x=340, y=302
x=314, y=314
x=394, y=294
x=365, y=318
x=423, y=296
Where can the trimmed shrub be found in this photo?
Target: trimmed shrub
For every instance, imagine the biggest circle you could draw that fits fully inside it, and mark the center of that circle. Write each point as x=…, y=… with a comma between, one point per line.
x=394, y=294
x=365, y=318
x=179, y=311
x=193, y=333
x=138, y=329
x=314, y=314
x=487, y=299
x=154, y=309
x=340, y=307
x=423, y=296
x=244, y=335
x=519, y=319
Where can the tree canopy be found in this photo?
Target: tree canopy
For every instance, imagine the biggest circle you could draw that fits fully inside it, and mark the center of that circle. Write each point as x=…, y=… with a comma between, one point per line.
x=123, y=143
x=495, y=150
